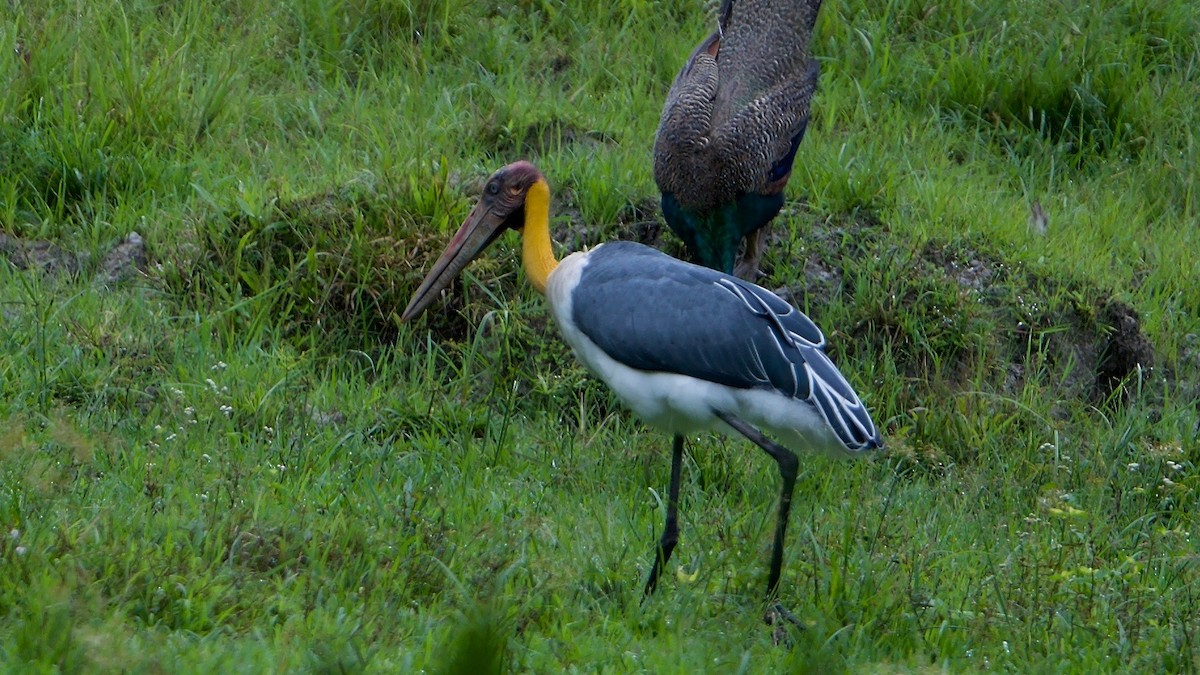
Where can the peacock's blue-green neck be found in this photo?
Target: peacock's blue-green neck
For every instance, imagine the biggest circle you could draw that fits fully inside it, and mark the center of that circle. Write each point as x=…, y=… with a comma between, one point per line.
x=714, y=235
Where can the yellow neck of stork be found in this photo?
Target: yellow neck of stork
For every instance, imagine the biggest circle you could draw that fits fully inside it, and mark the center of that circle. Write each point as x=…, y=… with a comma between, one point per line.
x=537, y=253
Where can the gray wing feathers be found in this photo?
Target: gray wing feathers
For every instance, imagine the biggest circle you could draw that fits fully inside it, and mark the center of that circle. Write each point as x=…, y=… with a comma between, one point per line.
x=654, y=313
x=843, y=411
x=827, y=389
x=786, y=319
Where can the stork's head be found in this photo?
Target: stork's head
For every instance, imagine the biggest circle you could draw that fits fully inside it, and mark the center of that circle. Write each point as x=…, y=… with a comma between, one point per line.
x=501, y=207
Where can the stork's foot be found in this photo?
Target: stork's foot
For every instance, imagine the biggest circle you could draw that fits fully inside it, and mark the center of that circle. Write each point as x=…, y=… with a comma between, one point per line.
x=783, y=622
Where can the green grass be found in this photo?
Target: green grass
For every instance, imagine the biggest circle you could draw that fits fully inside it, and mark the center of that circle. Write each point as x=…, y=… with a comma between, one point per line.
x=240, y=461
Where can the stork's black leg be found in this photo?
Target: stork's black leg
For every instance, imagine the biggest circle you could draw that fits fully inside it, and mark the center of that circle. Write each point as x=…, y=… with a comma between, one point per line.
x=789, y=464
x=670, y=535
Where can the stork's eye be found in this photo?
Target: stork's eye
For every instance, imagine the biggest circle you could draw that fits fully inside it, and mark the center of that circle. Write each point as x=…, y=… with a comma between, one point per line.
x=493, y=188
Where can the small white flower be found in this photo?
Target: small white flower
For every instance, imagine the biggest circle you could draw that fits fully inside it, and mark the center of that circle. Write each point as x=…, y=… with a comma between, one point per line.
x=21, y=550
x=170, y=438
x=219, y=365
x=206, y=457
x=212, y=385
x=14, y=534
x=189, y=411
x=228, y=410
x=1133, y=466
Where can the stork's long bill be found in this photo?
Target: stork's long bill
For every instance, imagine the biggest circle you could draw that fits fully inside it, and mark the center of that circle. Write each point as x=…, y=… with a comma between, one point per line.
x=515, y=197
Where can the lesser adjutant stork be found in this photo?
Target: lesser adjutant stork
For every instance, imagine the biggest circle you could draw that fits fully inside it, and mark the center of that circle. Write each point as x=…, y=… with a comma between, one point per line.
x=686, y=347
x=730, y=128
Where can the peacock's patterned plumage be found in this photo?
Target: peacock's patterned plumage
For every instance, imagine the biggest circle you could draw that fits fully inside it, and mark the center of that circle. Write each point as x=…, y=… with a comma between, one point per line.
x=731, y=125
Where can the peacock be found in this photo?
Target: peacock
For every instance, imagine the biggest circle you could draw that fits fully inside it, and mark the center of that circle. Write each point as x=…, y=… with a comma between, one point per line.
x=729, y=132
